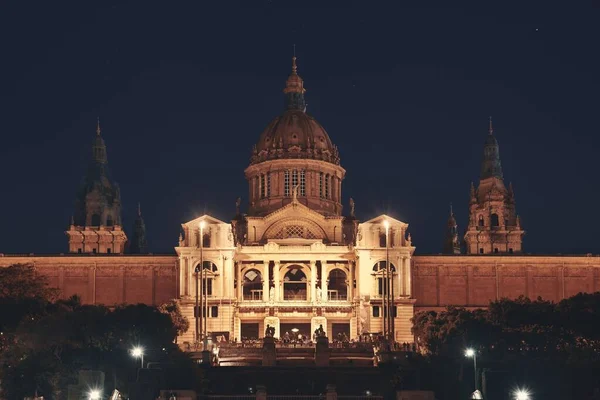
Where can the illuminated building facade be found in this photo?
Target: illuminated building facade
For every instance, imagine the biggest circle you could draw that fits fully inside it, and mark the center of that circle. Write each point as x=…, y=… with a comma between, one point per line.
x=294, y=260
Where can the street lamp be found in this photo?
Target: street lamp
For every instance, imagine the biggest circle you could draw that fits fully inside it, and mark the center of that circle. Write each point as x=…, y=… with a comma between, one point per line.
x=204, y=278
x=521, y=394
x=95, y=394
x=138, y=352
x=389, y=286
x=472, y=353
x=200, y=270
x=197, y=308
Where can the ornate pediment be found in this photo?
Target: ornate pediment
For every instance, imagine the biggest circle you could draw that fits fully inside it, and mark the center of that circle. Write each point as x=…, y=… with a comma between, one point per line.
x=206, y=218
x=295, y=228
x=295, y=221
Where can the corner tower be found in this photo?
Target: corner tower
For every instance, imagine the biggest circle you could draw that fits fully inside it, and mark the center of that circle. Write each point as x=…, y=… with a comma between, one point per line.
x=295, y=155
x=494, y=226
x=96, y=224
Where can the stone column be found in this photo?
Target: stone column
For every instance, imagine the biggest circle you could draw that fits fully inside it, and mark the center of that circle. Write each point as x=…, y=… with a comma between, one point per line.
x=265, y=281
x=324, y=279
x=334, y=188
x=408, y=277
x=401, y=280
x=183, y=279
x=351, y=281
x=240, y=281
x=276, y=279
x=313, y=281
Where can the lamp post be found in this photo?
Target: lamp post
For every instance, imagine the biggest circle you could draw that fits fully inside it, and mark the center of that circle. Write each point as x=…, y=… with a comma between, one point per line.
x=390, y=280
x=138, y=352
x=197, y=308
x=204, y=287
x=200, y=270
x=473, y=353
x=388, y=296
x=95, y=394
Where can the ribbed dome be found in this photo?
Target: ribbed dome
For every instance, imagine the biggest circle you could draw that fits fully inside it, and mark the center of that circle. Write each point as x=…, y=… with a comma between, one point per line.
x=295, y=134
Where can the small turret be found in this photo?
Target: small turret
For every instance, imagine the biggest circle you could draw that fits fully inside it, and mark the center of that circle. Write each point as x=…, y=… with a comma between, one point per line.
x=451, y=241
x=138, y=243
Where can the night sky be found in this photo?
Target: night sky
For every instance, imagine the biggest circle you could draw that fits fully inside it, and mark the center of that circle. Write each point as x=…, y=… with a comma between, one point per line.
x=183, y=91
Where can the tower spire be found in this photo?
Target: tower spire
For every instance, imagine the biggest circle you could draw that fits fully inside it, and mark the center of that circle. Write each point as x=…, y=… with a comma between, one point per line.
x=451, y=241
x=138, y=244
x=491, y=165
x=99, y=148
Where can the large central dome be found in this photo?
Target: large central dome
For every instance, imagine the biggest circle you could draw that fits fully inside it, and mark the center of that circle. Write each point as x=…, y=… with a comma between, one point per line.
x=295, y=159
x=295, y=134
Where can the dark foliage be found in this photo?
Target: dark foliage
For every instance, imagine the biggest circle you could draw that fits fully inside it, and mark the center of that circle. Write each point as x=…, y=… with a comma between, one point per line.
x=46, y=342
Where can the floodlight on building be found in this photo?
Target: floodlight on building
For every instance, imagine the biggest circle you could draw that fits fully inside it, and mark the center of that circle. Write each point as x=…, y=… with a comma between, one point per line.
x=95, y=394
x=522, y=394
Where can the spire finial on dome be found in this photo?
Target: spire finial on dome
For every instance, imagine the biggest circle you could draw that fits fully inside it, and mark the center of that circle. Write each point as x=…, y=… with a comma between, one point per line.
x=98, y=130
x=294, y=88
x=451, y=211
x=491, y=129
x=139, y=209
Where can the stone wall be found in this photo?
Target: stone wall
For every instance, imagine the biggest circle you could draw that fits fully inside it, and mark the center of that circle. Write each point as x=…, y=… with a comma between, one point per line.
x=107, y=279
x=474, y=281
x=438, y=281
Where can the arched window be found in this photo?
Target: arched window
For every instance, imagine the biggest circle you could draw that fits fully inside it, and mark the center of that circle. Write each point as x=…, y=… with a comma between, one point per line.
x=109, y=221
x=302, y=183
x=321, y=185
x=262, y=186
x=252, y=287
x=95, y=219
x=286, y=183
x=206, y=239
x=481, y=220
x=338, y=285
x=294, y=285
x=382, y=239
x=495, y=222
x=205, y=280
x=294, y=178
x=379, y=271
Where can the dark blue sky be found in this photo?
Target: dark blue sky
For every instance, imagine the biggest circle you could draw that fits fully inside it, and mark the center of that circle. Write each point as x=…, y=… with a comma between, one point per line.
x=183, y=91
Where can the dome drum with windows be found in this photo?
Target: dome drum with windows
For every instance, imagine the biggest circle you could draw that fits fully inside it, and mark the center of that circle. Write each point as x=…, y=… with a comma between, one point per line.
x=295, y=152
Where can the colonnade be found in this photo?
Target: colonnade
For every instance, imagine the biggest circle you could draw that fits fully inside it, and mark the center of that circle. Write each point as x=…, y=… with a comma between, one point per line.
x=279, y=270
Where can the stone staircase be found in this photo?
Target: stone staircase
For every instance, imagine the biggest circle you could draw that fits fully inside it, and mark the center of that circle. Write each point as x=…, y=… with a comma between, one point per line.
x=297, y=356
x=362, y=357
